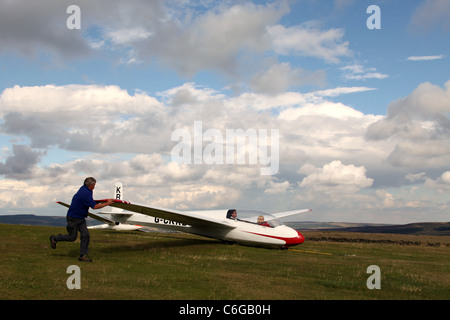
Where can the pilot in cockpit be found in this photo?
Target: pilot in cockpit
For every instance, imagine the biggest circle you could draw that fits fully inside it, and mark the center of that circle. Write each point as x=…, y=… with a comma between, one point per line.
x=261, y=222
x=232, y=214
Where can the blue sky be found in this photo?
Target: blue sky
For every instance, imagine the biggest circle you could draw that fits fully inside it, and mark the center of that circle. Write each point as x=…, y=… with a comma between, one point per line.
x=363, y=114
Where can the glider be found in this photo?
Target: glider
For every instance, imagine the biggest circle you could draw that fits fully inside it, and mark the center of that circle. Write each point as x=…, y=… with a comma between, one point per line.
x=246, y=228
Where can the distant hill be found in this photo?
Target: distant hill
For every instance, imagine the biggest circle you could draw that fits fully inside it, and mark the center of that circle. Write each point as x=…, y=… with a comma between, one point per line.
x=33, y=220
x=314, y=225
x=420, y=228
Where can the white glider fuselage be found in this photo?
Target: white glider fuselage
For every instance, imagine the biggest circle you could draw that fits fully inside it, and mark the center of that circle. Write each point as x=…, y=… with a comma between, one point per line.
x=240, y=231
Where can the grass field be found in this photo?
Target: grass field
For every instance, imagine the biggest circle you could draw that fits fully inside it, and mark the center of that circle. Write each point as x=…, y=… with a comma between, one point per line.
x=168, y=266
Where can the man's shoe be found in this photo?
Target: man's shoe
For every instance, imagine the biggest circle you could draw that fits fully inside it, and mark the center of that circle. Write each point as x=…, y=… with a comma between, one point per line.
x=85, y=259
x=52, y=242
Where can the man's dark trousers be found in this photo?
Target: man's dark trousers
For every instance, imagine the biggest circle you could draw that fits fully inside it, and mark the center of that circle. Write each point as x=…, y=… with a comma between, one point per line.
x=73, y=226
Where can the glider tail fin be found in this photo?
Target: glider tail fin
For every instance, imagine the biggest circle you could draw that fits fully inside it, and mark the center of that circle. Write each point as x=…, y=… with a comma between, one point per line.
x=118, y=195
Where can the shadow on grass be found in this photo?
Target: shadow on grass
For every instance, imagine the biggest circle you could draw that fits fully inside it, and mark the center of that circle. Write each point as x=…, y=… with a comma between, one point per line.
x=170, y=241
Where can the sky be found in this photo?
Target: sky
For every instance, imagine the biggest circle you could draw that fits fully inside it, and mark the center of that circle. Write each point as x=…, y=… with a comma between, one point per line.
x=347, y=102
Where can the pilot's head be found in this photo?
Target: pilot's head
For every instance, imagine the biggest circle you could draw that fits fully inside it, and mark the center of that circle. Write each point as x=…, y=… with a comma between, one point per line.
x=231, y=214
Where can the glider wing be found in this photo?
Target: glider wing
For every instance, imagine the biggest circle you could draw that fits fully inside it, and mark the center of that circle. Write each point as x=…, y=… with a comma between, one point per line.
x=289, y=213
x=92, y=215
x=192, y=219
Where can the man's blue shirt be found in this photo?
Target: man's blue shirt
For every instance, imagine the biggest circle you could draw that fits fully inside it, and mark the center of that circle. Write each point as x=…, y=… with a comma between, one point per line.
x=81, y=201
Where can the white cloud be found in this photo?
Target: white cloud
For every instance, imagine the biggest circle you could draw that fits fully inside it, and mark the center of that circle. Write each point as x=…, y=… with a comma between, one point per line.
x=127, y=137
x=21, y=164
x=213, y=40
x=286, y=100
x=410, y=153
x=128, y=36
x=281, y=77
x=445, y=177
x=57, y=116
x=386, y=198
x=324, y=109
x=359, y=72
x=102, y=102
x=435, y=191
x=419, y=125
x=143, y=31
x=336, y=176
x=233, y=38
x=430, y=14
x=338, y=191
x=441, y=185
x=30, y=27
x=425, y=58
x=309, y=41
x=335, y=92
x=416, y=177
x=21, y=194
x=138, y=127
x=277, y=188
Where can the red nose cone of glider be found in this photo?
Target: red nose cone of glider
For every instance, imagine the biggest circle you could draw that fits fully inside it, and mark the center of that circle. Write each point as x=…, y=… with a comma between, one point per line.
x=300, y=238
x=295, y=240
